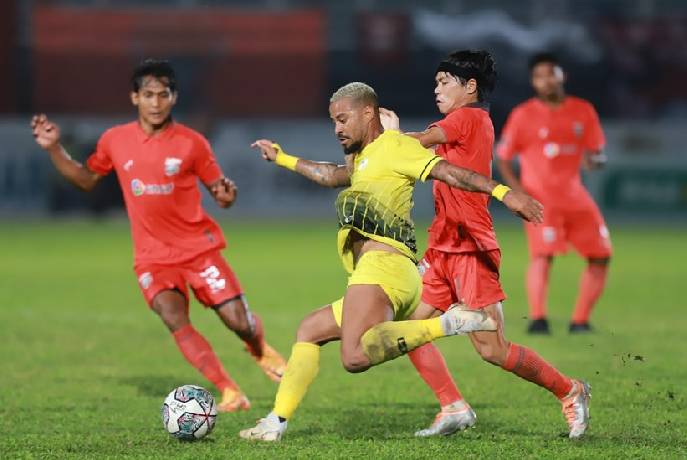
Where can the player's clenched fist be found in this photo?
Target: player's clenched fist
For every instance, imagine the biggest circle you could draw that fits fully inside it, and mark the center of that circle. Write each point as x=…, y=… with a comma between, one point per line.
x=268, y=149
x=389, y=119
x=525, y=206
x=224, y=192
x=46, y=133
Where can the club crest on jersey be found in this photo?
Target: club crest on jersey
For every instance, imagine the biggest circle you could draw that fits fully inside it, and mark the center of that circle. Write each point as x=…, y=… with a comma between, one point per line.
x=578, y=129
x=543, y=133
x=145, y=280
x=172, y=166
x=362, y=165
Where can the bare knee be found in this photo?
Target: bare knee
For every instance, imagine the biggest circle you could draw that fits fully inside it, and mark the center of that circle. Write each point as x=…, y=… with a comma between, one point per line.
x=493, y=353
x=170, y=306
x=234, y=314
x=354, y=362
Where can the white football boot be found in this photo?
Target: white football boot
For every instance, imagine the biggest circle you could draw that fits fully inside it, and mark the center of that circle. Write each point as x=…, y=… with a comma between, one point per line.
x=576, y=408
x=268, y=429
x=456, y=417
x=459, y=320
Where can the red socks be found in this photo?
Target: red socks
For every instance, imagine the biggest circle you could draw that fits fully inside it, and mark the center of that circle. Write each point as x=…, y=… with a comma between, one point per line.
x=528, y=365
x=592, y=285
x=537, y=285
x=198, y=352
x=430, y=363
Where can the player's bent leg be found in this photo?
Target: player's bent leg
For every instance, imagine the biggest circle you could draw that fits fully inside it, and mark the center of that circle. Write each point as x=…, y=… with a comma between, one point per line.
x=248, y=326
x=592, y=283
x=455, y=413
x=316, y=329
x=364, y=306
x=391, y=339
x=528, y=365
x=172, y=307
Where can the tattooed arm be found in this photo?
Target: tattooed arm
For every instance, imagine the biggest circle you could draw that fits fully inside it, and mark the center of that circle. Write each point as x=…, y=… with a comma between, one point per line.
x=520, y=203
x=322, y=173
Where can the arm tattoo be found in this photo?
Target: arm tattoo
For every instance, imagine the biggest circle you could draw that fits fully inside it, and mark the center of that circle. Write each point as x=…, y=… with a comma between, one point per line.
x=325, y=174
x=461, y=178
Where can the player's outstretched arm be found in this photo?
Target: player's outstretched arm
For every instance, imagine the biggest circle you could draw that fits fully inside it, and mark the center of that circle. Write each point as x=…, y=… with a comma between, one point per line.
x=323, y=173
x=224, y=191
x=519, y=202
x=47, y=135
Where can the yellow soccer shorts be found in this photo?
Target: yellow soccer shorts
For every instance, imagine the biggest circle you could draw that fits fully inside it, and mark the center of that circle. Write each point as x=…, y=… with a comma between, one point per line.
x=396, y=274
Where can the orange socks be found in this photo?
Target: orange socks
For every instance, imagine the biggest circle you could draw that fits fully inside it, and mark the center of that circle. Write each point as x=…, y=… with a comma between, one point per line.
x=198, y=352
x=431, y=365
x=528, y=365
x=537, y=286
x=592, y=285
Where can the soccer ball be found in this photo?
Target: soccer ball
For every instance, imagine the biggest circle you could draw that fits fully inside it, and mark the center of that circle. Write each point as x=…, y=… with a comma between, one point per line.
x=189, y=412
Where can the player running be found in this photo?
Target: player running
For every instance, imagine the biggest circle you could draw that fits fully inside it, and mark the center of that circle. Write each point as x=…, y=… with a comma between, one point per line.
x=461, y=264
x=158, y=163
x=376, y=243
x=555, y=134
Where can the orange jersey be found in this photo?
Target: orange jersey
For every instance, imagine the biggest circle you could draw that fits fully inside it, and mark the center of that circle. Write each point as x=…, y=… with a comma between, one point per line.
x=551, y=143
x=159, y=180
x=462, y=222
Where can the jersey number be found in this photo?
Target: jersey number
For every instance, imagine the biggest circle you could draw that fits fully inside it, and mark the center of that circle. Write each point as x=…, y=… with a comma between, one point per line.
x=211, y=276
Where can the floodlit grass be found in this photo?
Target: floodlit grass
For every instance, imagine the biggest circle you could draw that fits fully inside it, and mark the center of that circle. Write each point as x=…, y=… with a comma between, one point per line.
x=85, y=365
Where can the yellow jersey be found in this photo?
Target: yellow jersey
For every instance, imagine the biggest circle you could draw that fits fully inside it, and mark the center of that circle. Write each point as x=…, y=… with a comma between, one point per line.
x=378, y=202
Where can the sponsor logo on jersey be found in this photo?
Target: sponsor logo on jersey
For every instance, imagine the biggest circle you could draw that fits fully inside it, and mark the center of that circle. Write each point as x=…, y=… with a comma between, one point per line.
x=172, y=166
x=138, y=188
x=551, y=149
x=543, y=133
x=362, y=165
x=127, y=166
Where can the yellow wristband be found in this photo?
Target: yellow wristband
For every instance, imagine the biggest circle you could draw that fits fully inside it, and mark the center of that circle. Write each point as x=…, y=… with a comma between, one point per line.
x=500, y=191
x=284, y=159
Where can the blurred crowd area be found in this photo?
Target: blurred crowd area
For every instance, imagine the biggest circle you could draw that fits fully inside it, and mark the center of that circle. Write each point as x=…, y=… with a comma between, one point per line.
x=249, y=68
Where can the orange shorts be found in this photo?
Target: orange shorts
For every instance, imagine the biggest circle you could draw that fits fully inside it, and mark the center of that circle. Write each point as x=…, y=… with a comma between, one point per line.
x=212, y=280
x=470, y=278
x=583, y=228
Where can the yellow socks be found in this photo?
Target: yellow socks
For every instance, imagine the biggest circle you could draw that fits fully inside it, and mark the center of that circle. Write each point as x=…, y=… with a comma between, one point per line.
x=301, y=370
x=391, y=339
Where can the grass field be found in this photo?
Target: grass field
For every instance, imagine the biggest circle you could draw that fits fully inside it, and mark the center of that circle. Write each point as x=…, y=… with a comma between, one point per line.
x=85, y=365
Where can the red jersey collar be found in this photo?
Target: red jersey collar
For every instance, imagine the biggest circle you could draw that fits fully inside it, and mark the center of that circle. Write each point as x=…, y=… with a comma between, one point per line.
x=142, y=136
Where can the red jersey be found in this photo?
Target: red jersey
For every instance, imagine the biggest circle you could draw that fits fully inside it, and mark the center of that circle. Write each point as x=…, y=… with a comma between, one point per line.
x=462, y=222
x=158, y=176
x=552, y=143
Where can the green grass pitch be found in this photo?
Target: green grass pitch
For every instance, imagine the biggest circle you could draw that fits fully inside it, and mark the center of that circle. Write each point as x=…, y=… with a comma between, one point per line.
x=85, y=365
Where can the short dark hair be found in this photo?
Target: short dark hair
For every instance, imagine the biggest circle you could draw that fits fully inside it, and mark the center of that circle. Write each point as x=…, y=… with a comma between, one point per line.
x=543, y=57
x=158, y=68
x=477, y=64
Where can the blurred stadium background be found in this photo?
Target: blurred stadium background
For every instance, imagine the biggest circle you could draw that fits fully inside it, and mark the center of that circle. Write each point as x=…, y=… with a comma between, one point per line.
x=249, y=69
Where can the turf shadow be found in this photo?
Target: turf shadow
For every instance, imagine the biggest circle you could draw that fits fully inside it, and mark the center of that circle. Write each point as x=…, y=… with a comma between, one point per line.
x=152, y=385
